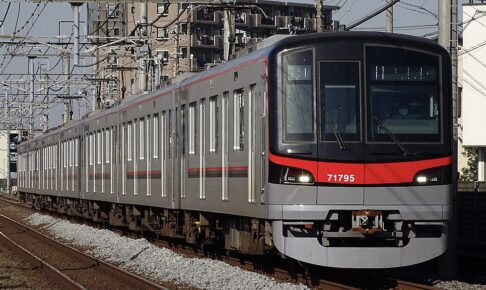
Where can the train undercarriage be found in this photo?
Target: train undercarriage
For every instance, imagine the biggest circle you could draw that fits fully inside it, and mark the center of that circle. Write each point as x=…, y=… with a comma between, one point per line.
x=206, y=231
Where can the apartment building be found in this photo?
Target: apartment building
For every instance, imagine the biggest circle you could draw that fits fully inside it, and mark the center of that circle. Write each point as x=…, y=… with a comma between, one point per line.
x=182, y=38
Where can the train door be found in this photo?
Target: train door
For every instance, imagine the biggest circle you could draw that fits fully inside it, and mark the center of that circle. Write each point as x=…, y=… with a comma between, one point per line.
x=164, y=141
x=224, y=146
x=340, y=149
x=171, y=178
x=182, y=160
x=253, y=139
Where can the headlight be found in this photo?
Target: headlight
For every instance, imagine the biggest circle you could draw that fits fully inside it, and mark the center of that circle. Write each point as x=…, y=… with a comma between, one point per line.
x=438, y=175
x=297, y=176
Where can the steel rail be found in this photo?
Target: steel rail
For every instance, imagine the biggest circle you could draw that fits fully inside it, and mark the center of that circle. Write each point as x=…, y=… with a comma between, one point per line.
x=282, y=273
x=405, y=285
x=131, y=279
x=46, y=268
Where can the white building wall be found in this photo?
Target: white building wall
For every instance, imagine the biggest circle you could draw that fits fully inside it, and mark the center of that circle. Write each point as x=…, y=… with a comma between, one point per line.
x=3, y=154
x=474, y=76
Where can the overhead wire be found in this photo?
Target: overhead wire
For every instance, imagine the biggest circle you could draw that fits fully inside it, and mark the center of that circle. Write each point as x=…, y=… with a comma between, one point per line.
x=27, y=33
x=6, y=13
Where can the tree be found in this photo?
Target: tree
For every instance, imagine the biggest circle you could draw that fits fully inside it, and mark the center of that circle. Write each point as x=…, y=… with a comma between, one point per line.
x=470, y=172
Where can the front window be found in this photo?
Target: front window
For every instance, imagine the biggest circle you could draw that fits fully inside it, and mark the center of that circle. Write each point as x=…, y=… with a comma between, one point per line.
x=339, y=93
x=403, y=95
x=298, y=96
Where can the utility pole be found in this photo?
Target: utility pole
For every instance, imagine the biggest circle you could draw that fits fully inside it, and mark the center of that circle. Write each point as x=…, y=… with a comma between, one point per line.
x=389, y=17
x=76, y=8
x=7, y=123
x=229, y=33
x=176, y=52
x=46, y=109
x=94, y=104
x=143, y=22
x=448, y=39
x=320, y=17
x=31, y=60
x=66, y=70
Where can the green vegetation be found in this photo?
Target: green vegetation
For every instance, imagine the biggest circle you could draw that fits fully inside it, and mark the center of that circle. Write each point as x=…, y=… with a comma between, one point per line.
x=470, y=173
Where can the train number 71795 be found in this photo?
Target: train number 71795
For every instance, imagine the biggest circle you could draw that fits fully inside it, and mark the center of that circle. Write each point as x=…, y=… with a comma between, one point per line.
x=340, y=177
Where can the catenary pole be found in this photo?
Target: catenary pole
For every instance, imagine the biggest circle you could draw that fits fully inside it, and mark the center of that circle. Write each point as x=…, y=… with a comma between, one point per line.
x=389, y=17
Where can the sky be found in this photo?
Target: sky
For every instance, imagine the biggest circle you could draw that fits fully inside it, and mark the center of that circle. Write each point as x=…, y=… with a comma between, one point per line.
x=415, y=17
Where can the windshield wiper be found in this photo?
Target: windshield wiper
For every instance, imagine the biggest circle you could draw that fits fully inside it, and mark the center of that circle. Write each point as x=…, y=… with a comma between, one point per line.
x=335, y=130
x=391, y=135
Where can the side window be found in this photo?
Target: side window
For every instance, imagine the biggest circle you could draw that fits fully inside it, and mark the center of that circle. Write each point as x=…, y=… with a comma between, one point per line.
x=129, y=141
x=213, y=124
x=169, y=133
x=142, y=138
x=155, y=133
x=238, y=120
x=107, y=145
x=192, y=128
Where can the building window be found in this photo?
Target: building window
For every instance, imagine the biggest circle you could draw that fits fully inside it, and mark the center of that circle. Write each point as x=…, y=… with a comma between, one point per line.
x=163, y=56
x=162, y=33
x=192, y=128
x=112, y=10
x=115, y=32
x=183, y=52
x=213, y=124
x=112, y=58
x=238, y=120
x=183, y=28
x=163, y=8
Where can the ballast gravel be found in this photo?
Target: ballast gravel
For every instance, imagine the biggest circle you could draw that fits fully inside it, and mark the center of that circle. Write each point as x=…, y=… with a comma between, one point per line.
x=159, y=263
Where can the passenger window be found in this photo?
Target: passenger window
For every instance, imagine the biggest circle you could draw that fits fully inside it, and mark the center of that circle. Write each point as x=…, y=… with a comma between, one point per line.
x=213, y=124
x=107, y=146
x=98, y=147
x=169, y=133
x=238, y=120
x=192, y=128
x=142, y=138
x=129, y=142
x=156, y=143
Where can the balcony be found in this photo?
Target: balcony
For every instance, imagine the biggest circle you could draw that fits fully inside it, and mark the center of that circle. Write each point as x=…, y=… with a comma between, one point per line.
x=206, y=41
x=258, y=21
x=241, y=20
x=206, y=17
x=297, y=23
x=282, y=21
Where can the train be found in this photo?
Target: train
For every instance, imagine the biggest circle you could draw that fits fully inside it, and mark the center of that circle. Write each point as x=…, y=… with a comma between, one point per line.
x=333, y=149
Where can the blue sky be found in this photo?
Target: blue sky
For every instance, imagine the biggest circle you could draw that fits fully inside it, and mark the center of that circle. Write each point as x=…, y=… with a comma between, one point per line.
x=415, y=17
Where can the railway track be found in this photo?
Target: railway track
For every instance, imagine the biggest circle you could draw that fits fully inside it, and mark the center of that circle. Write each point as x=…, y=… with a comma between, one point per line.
x=71, y=268
x=282, y=273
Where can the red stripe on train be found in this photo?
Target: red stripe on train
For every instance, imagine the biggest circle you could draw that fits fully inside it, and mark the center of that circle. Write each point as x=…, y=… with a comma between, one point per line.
x=370, y=173
x=218, y=169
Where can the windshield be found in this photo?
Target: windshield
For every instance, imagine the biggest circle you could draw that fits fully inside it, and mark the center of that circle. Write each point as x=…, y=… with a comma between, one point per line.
x=339, y=89
x=403, y=93
x=298, y=100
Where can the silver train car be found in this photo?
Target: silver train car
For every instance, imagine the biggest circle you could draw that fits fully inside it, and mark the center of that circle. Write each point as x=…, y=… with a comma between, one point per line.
x=334, y=149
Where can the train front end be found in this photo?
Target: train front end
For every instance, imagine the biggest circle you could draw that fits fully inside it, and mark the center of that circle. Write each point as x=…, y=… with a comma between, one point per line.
x=360, y=151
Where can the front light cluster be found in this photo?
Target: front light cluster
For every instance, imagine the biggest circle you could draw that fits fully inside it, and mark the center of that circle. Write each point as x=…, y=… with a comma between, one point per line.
x=438, y=175
x=297, y=176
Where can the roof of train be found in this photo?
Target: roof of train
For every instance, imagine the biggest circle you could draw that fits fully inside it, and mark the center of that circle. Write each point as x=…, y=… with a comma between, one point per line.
x=263, y=50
